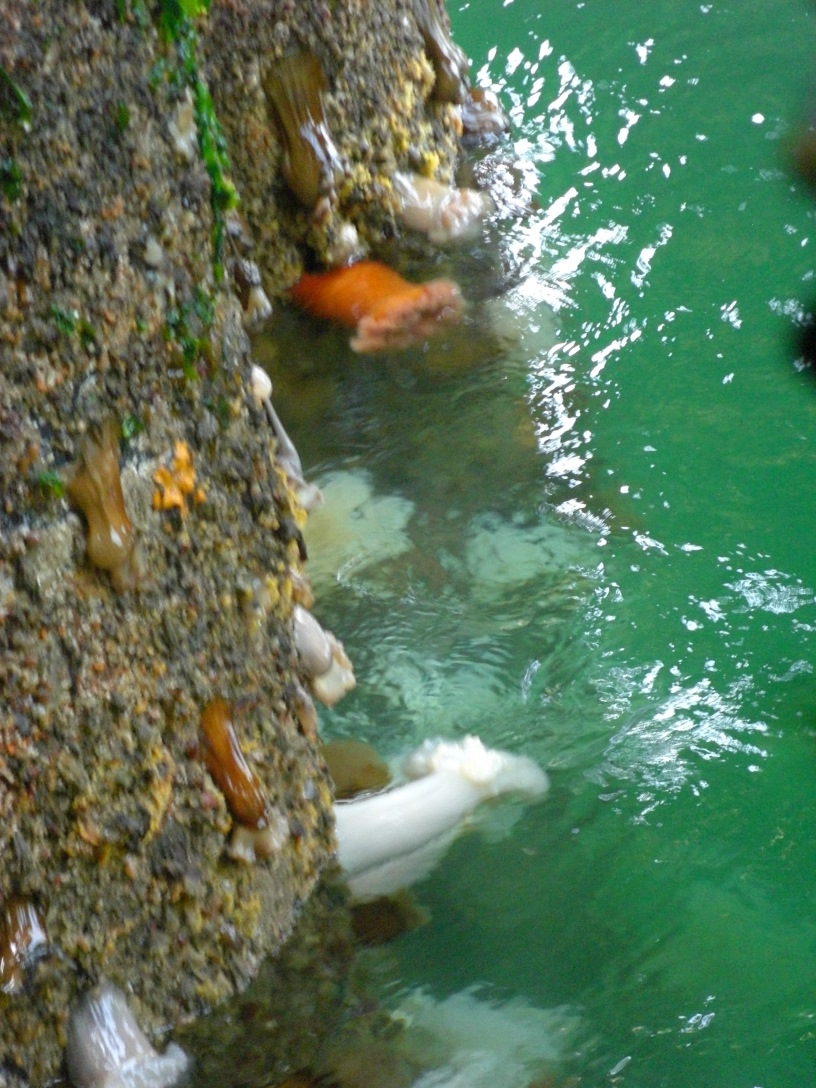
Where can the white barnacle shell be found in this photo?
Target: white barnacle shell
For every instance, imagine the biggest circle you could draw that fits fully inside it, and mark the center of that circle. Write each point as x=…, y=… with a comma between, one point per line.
x=302, y=591
x=153, y=252
x=345, y=247
x=249, y=288
x=258, y=307
x=106, y=1048
x=305, y=711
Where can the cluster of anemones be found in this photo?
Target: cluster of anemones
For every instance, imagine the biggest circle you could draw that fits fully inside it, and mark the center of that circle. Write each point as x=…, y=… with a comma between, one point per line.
x=386, y=311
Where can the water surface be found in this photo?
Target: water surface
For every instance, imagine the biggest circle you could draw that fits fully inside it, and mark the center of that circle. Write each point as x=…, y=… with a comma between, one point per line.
x=588, y=535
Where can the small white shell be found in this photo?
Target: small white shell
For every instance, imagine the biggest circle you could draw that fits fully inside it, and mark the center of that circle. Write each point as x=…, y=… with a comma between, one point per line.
x=153, y=252
x=346, y=246
x=302, y=592
x=305, y=712
x=183, y=128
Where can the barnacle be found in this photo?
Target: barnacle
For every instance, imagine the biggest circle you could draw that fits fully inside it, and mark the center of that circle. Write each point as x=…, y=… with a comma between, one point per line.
x=388, y=311
x=305, y=712
x=177, y=482
x=95, y=486
x=311, y=162
x=302, y=592
x=259, y=830
x=449, y=62
x=22, y=941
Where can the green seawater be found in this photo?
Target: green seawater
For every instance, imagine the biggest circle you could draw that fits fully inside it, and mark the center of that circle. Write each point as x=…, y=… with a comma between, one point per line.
x=592, y=540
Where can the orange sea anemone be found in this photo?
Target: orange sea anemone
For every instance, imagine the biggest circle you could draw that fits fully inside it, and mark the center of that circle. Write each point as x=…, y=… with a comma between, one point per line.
x=388, y=311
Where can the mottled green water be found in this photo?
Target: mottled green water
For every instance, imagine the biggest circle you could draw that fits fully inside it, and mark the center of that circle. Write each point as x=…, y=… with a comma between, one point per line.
x=610, y=557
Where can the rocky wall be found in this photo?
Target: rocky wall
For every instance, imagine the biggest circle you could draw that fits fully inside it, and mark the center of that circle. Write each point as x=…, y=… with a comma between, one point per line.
x=150, y=545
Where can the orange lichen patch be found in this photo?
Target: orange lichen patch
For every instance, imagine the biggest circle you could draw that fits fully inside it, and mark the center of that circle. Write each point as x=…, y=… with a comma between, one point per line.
x=228, y=767
x=177, y=482
x=163, y=772
x=95, y=486
x=389, y=311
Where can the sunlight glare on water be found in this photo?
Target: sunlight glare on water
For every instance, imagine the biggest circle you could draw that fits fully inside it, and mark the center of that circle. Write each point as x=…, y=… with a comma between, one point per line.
x=594, y=544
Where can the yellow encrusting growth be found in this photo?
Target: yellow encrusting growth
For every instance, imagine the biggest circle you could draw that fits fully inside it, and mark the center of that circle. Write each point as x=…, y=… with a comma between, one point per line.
x=176, y=483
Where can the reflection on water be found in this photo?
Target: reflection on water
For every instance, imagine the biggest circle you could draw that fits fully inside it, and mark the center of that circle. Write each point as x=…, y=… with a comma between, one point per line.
x=581, y=526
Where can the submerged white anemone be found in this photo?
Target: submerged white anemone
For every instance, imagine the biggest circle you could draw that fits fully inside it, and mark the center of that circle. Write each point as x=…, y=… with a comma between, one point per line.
x=500, y=554
x=389, y=840
x=355, y=528
x=465, y=1041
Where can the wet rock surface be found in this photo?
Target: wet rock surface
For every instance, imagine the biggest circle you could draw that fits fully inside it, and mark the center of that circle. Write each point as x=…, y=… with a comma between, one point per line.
x=112, y=323
x=376, y=91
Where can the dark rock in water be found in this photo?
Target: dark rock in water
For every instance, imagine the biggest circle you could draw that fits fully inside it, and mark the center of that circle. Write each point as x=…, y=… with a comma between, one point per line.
x=380, y=920
x=354, y=767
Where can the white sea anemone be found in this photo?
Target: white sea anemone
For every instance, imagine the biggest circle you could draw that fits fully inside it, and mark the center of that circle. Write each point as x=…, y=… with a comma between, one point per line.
x=308, y=494
x=465, y=1041
x=325, y=663
x=356, y=528
x=107, y=1049
x=392, y=839
x=442, y=212
x=500, y=553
